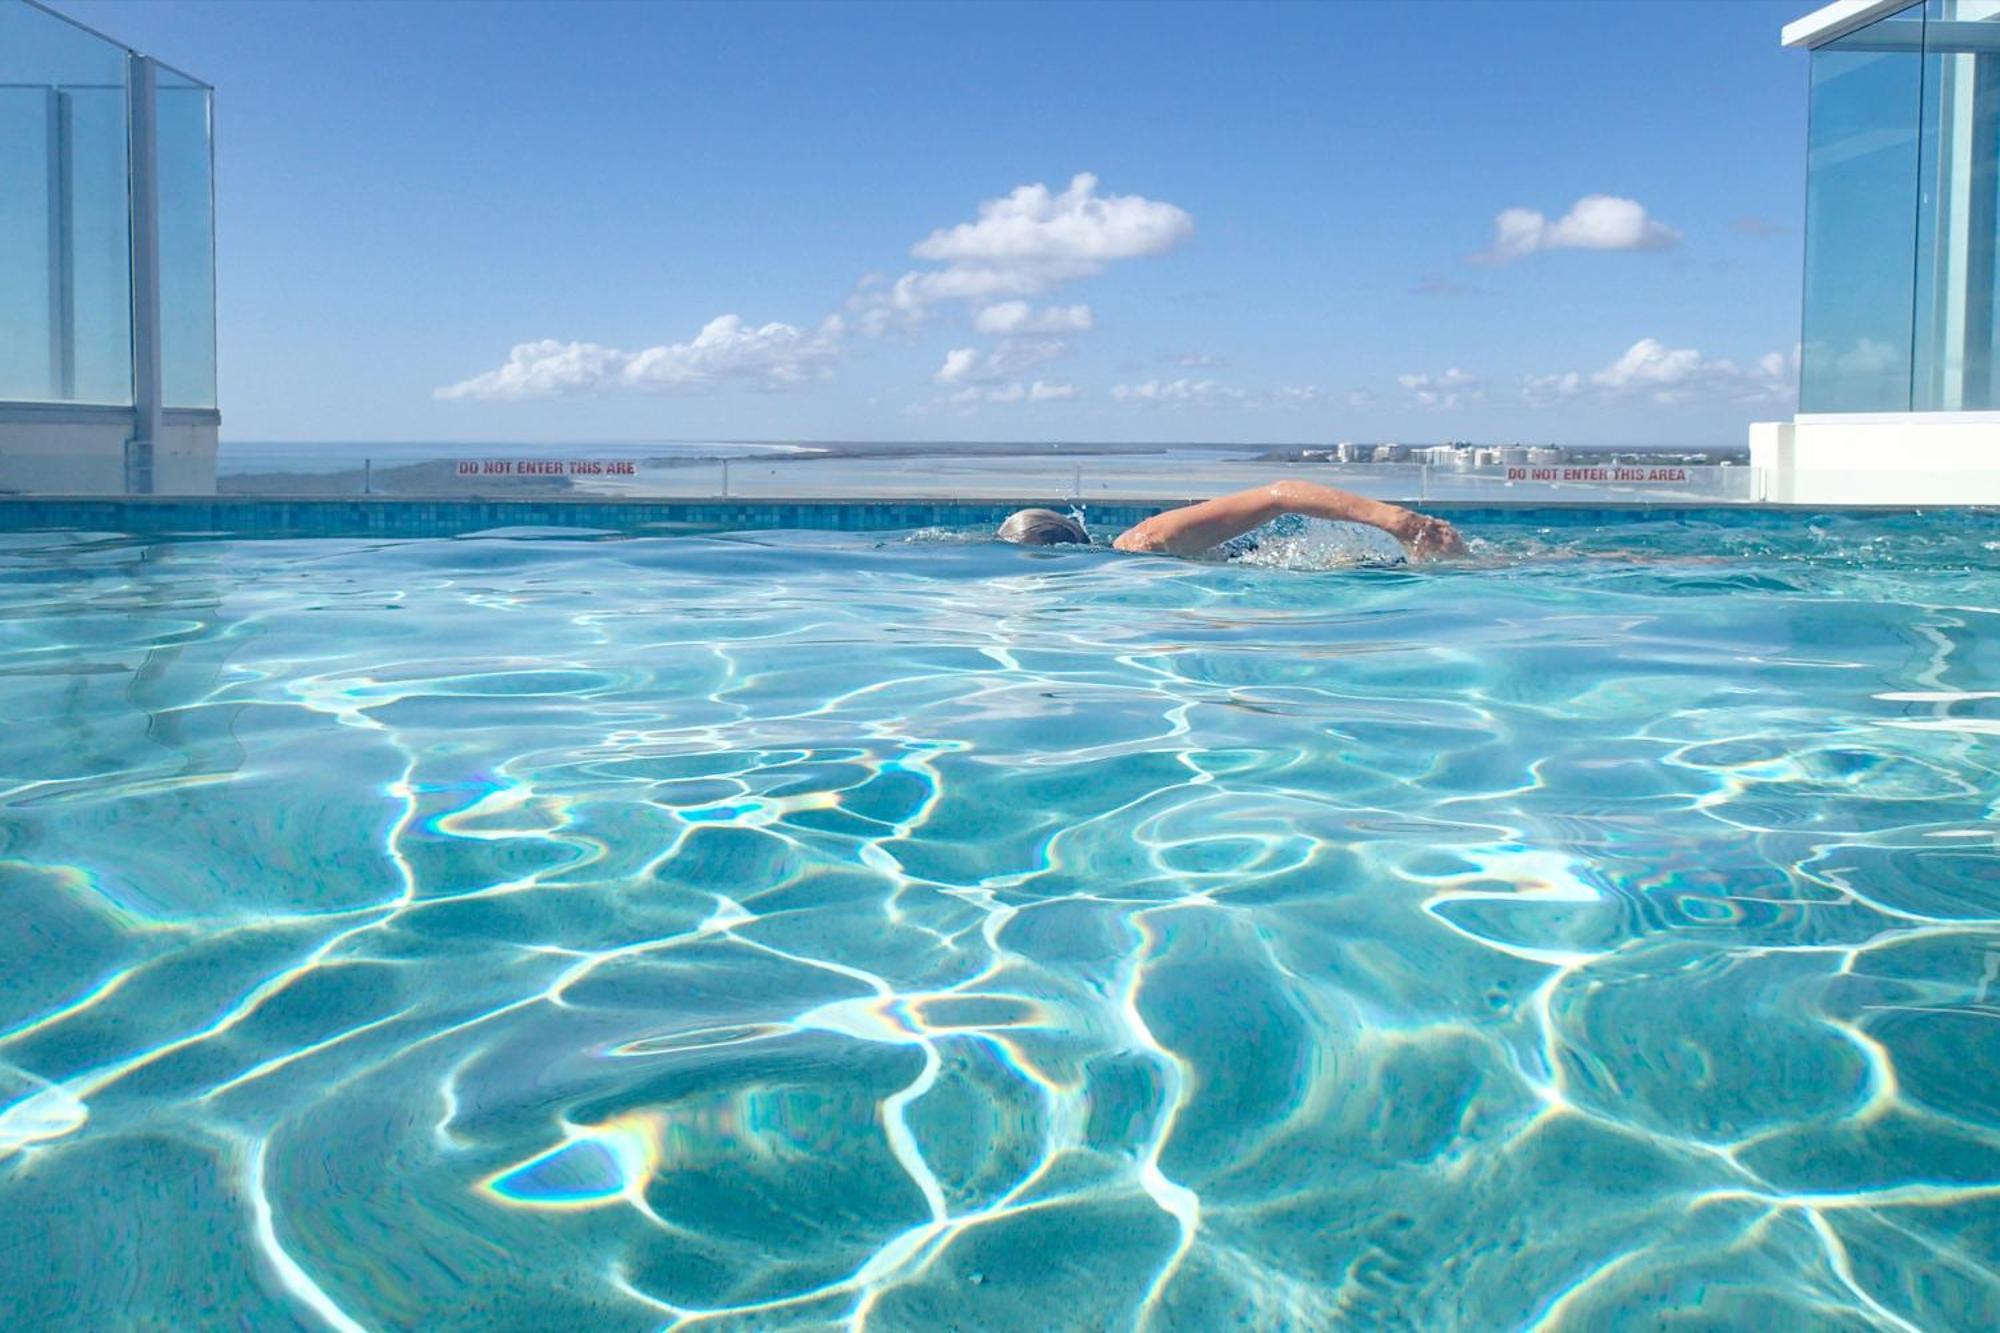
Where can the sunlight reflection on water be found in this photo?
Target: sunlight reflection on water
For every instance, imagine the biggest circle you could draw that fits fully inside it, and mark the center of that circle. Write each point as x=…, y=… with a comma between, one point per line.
x=777, y=930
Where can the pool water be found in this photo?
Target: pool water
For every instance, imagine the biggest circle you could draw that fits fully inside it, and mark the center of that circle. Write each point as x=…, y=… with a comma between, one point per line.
x=776, y=930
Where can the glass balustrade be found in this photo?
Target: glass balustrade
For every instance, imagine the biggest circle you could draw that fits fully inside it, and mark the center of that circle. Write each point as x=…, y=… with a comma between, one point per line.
x=1903, y=214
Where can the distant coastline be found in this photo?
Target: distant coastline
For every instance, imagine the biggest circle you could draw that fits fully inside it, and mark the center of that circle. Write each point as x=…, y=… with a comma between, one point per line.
x=413, y=467
x=835, y=467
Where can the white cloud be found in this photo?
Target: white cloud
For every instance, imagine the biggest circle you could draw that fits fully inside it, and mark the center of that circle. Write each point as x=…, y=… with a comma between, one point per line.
x=769, y=356
x=1594, y=222
x=545, y=369
x=1207, y=393
x=1021, y=246
x=1020, y=317
x=1041, y=391
x=1024, y=244
x=906, y=302
x=1447, y=390
x=1651, y=370
x=1008, y=358
x=967, y=400
x=1651, y=364
x=1869, y=356
x=777, y=355
x=1077, y=228
x=959, y=364
x=1180, y=392
x=1552, y=388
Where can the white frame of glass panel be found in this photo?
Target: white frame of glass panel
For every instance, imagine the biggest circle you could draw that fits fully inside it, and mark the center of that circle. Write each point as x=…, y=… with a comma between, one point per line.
x=1837, y=20
x=62, y=257
x=143, y=154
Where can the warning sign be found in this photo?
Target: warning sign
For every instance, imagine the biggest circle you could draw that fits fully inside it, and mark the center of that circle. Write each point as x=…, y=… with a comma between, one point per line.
x=547, y=467
x=1597, y=474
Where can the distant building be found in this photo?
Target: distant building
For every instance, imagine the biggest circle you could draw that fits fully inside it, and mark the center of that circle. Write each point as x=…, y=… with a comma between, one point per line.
x=107, y=265
x=1899, y=376
x=1391, y=453
x=1514, y=456
x=1544, y=456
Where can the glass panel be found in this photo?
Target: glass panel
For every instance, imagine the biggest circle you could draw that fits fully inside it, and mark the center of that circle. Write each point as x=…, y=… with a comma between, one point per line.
x=1861, y=213
x=187, y=243
x=65, y=251
x=25, y=368
x=100, y=220
x=1956, y=346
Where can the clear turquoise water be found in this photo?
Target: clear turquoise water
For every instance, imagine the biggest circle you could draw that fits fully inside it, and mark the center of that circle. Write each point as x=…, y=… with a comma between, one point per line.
x=790, y=930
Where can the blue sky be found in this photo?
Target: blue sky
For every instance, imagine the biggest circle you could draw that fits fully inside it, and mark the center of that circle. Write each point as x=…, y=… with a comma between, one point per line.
x=622, y=221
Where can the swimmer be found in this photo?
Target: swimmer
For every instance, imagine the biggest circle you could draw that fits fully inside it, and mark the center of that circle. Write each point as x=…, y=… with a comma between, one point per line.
x=1197, y=528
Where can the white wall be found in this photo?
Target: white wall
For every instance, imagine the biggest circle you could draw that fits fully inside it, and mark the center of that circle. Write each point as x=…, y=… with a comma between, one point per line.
x=1880, y=459
x=184, y=461
x=88, y=458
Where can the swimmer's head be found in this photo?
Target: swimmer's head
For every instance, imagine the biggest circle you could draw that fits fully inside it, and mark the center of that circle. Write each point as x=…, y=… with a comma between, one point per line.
x=1042, y=527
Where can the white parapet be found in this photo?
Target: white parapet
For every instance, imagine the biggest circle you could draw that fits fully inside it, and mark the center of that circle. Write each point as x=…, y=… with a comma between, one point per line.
x=1888, y=458
x=56, y=449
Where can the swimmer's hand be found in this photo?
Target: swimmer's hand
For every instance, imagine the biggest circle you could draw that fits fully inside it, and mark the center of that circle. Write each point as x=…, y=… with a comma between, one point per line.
x=1424, y=537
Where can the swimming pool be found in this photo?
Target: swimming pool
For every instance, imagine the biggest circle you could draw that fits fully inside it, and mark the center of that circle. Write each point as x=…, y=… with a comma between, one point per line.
x=538, y=931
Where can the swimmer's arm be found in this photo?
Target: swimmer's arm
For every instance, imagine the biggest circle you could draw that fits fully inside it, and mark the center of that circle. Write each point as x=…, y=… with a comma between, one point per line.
x=1199, y=527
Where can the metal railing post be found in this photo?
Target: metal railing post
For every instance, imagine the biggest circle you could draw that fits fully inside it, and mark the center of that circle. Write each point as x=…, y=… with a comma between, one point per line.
x=143, y=147
x=62, y=246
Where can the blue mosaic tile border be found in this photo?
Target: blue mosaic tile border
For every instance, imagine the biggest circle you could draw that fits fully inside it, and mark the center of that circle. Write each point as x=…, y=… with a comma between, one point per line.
x=443, y=518
x=385, y=517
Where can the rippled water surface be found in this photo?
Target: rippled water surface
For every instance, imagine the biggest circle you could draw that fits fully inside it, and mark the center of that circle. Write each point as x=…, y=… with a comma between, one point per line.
x=783, y=930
